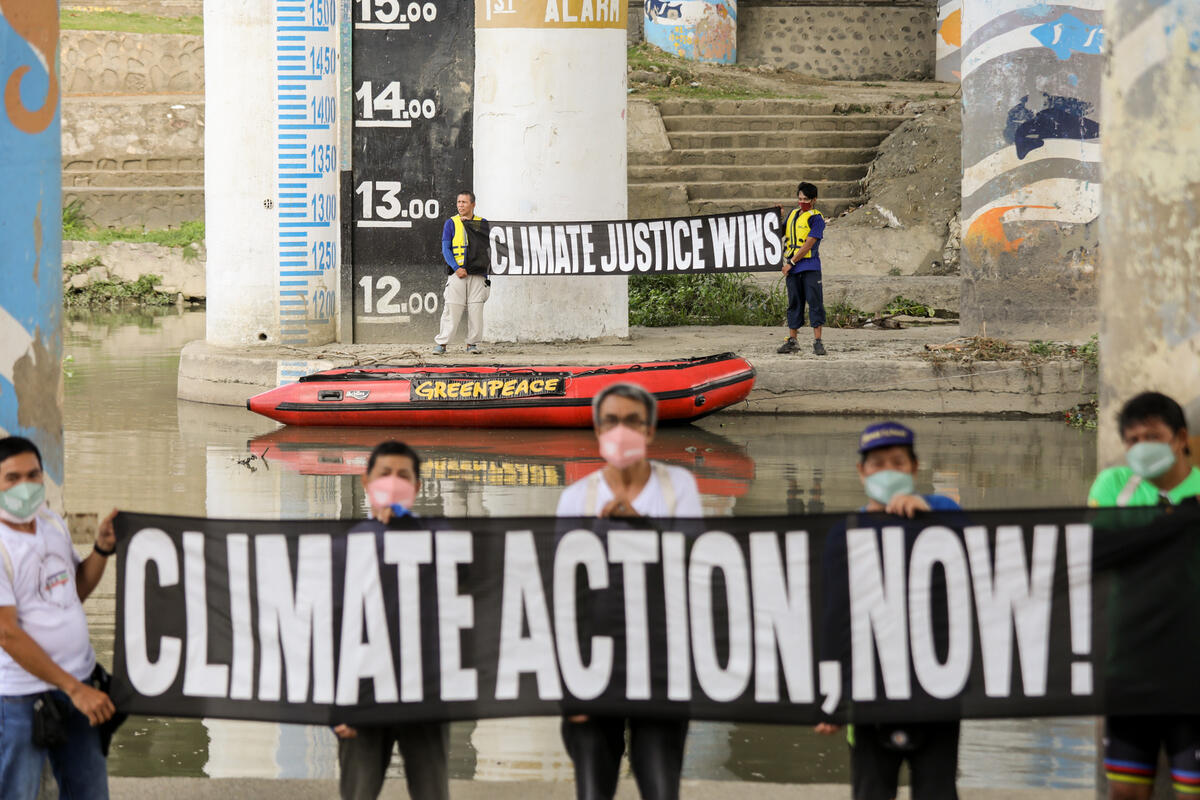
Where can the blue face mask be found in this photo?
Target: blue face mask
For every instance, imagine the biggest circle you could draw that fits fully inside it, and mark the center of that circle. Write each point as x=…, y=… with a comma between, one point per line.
x=1150, y=459
x=20, y=503
x=882, y=486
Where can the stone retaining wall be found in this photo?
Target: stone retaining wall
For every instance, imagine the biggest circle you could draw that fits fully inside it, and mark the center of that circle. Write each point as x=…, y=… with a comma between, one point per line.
x=120, y=132
x=140, y=63
x=848, y=40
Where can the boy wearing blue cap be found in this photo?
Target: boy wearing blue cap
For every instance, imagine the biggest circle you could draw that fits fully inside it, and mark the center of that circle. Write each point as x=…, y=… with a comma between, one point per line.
x=887, y=467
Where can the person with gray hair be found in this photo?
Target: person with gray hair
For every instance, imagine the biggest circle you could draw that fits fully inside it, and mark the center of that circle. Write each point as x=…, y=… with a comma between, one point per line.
x=624, y=416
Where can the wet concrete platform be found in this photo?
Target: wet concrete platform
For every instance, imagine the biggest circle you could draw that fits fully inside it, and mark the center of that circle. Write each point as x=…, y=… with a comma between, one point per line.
x=866, y=371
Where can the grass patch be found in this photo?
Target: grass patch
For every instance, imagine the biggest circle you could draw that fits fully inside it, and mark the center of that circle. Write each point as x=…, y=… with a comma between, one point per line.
x=658, y=301
x=116, y=293
x=75, y=228
x=76, y=20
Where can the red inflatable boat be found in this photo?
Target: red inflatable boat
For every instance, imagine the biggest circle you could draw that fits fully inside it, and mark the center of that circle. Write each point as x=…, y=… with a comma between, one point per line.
x=501, y=397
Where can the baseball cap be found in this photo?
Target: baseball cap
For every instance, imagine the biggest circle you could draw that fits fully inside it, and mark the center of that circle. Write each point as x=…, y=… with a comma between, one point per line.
x=884, y=434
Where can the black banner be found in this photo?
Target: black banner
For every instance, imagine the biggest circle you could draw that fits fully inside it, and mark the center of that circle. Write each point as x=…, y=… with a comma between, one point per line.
x=742, y=241
x=413, y=77
x=776, y=619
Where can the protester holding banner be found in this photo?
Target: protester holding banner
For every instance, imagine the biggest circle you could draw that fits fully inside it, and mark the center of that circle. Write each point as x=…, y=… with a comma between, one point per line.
x=467, y=283
x=887, y=467
x=802, y=235
x=392, y=480
x=47, y=708
x=1158, y=472
x=624, y=416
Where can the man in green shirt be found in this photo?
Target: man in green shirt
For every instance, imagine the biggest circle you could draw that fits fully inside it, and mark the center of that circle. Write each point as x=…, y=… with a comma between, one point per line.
x=1158, y=471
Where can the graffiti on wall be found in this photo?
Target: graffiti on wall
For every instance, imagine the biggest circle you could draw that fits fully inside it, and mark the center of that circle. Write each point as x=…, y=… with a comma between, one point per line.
x=949, y=40
x=698, y=30
x=1031, y=139
x=30, y=229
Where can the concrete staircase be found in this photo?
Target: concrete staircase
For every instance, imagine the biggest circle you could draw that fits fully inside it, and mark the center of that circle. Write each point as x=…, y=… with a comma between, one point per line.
x=730, y=155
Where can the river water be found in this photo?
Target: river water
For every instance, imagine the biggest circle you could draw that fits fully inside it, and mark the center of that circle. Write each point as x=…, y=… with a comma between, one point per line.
x=132, y=445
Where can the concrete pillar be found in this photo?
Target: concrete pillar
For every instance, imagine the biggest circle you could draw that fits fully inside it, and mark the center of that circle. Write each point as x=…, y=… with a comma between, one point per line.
x=949, y=40
x=549, y=137
x=271, y=171
x=31, y=233
x=1031, y=167
x=1150, y=280
x=698, y=30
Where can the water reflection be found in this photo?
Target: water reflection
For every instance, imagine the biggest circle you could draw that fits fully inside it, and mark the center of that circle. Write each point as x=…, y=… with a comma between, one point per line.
x=130, y=443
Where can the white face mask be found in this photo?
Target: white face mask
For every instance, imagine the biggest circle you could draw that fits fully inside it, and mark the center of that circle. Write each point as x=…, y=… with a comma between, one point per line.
x=20, y=503
x=882, y=486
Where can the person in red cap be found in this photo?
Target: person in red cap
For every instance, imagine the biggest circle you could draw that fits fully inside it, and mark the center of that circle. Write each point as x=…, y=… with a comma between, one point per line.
x=887, y=468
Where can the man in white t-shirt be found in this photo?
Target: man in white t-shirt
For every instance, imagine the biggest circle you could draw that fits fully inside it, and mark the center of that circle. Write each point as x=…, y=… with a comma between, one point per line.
x=624, y=416
x=45, y=654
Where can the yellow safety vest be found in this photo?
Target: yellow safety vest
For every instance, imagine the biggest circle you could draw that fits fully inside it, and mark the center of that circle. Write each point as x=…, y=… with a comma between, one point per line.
x=796, y=231
x=458, y=245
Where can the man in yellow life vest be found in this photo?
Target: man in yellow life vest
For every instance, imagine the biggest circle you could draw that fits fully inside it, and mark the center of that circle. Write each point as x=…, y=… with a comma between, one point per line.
x=803, y=233
x=467, y=285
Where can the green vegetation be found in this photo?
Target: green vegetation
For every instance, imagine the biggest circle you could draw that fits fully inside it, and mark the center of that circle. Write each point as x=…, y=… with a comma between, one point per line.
x=76, y=228
x=659, y=301
x=70, y=270
x=987, y=348
x=844, y=315
x=901, y=305
x=114, y=293
x=682, y=74
x=1084, y=415
x=78, y=20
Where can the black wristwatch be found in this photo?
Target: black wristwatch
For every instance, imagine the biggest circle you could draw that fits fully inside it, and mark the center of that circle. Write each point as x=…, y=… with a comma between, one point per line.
x=98, y=549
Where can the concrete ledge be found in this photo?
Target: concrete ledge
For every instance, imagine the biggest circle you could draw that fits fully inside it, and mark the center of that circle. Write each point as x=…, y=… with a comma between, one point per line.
x=866, y=371
x=260, y=789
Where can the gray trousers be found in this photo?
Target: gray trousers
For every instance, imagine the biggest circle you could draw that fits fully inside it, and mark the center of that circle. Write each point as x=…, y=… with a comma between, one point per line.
x=425, y=748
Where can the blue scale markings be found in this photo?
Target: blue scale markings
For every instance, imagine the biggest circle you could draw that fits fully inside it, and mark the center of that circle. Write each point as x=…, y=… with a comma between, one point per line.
x=307, y=199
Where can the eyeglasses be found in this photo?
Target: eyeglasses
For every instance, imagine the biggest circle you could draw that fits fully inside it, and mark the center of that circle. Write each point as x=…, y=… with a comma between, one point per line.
x=634, y=421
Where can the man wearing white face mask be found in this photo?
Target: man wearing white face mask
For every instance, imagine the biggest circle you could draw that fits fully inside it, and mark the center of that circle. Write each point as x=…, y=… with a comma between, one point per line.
x=46, y=658
x=624, y=417
x=392, y=480
x=888, y=468
x=1154, y=431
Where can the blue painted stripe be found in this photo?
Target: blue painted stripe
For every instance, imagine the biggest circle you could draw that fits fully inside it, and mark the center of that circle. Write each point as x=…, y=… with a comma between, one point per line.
x=297, y=273
x=289, y=47
x=282, y=57
x=291, y=126
x=282, y=38
x=292, y=107
x=313, y=28
x=304, y=224
x=293, y=283
x=292, y=292
x=293, y=263
x=290, y=19
x=287, y=87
